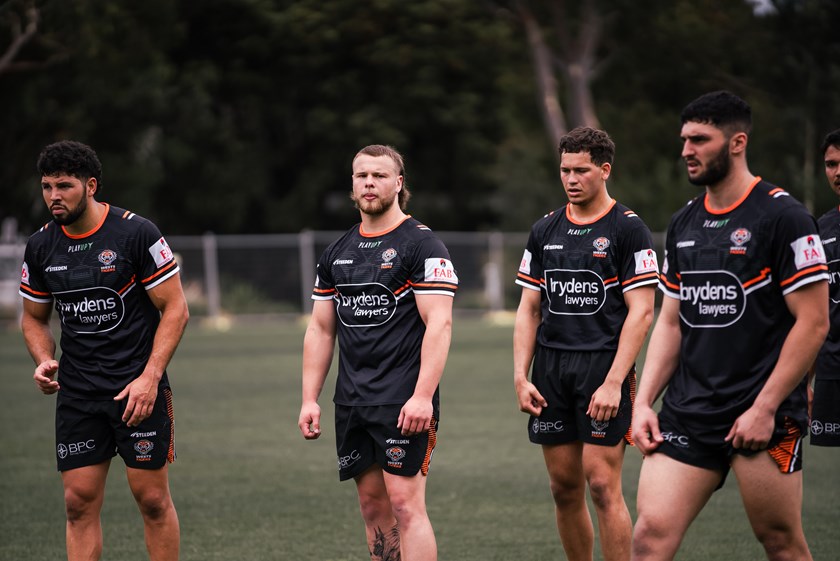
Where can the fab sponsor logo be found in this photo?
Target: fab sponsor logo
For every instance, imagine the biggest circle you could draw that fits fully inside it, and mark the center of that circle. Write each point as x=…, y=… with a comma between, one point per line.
x=364, y=305
x=161, y=253
x=439, y=269
x=711, y=299
x=574, y=292
x=525, y=264
x=90, y=310
x=24, y=274
x=808, y=251
x=646, y=262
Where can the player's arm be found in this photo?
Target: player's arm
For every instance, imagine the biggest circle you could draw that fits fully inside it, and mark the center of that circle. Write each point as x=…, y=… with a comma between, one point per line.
x=809, y=307
x=35, y=324
x=606, y=399
x=528, y=318
x=436, y=312
x=660, y=363
x=318, y=349
x=168, y=298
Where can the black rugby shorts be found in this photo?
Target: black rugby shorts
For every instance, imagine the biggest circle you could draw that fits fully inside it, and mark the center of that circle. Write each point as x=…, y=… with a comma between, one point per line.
x=368, y=435
x=825, y=413
x=567, y=380
x=89, y=432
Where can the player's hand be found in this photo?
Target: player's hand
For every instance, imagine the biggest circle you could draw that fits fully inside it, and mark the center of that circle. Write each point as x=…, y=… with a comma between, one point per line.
x=141, y=394
x=605, y=401
x=752, y=430
x=415, y=416
x=309, y=420
x=530, y=399
x=646, y=432
x=44, y=376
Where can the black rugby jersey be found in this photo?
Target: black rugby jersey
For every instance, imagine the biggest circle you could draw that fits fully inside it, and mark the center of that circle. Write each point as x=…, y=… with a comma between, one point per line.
x=730, y=269
x=828, y=361
x=98, y=282
x=583, y=271
x=372, y=278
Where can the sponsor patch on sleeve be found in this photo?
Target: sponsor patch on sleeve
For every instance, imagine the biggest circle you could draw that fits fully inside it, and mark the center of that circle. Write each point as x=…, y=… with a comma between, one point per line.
x=439, y=269
x=525, y=264
x=24, y=274
x=646, y=261
x=161, y=253
x=665, y=264
x=808, y=251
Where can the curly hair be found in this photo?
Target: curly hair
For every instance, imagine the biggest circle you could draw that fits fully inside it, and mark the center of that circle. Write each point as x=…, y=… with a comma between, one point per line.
x=831, y=139
x=596, y=142
x=72, y=158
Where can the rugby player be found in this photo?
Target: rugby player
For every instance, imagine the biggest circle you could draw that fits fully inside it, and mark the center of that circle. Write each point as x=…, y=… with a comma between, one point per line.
x=588, y=279
x=825, y=396
x=385, y=288
x=744, y=314
x=115, y=285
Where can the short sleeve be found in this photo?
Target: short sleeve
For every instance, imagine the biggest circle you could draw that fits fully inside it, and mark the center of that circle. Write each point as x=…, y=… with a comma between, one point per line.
x=432, y=271
x=156, y=261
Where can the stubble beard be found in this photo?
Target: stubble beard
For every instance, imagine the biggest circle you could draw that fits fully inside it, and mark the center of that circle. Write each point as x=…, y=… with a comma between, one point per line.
x=377, y=207
x=716, y=170
x=72, y=215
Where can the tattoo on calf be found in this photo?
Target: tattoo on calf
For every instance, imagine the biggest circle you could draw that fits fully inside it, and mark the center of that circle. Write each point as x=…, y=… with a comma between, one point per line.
x=386, y=547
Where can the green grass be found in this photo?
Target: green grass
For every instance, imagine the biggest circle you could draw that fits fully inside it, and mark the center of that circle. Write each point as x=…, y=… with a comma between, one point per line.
x=248, y=487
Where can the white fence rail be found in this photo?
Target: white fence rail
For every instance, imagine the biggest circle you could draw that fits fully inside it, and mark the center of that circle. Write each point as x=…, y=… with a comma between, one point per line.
x=274, y=273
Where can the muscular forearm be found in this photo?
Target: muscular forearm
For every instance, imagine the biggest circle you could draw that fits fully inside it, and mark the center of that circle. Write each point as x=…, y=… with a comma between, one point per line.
x=660, y=361
x=524, y=341
x=630, y=342
x=39, y=339
x=433, y=354
x=173, y=322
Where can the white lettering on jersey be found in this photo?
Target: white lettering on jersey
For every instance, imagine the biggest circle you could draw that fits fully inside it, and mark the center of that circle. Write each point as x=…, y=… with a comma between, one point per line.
x=525, y=265
x=646, y=261
x=439, y=269
x=161, y=253
x=24, y=274
x=808, y=251
x=665, y=264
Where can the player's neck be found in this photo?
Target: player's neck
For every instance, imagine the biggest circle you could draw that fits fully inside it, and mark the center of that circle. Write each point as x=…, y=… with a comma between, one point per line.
x=372, y=224
x=89, y=220
x=731, y=189
x=591, y=210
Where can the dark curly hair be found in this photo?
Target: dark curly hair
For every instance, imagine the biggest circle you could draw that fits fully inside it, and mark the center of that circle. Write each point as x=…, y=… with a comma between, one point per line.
x=723, y=109
x=831, y=139
x=72, y=158
x=596, y=142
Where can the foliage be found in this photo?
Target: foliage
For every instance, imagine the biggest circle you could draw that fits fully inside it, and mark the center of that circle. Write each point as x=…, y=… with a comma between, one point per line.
x=242, y=116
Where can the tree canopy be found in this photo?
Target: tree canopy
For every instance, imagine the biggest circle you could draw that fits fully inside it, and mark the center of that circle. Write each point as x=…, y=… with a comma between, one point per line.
x=242, y=116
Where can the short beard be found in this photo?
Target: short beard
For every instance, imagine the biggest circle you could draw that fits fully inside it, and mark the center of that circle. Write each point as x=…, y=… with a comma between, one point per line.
x=716, y=170
x=72, y=215
x=376, y=208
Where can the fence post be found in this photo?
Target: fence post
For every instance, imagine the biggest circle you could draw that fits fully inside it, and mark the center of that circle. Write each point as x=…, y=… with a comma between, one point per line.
x=493, y=288
x=211, y=275
x=306, y=250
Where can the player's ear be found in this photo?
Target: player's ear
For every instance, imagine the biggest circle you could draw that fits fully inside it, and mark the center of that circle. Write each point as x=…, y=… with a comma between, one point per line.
x=92, y=186
x=606, y=168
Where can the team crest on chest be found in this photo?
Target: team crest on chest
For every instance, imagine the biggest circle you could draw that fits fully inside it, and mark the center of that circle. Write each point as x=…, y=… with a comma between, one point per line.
x=107, y=258
x=387, y=256
x=739, y=238
x=600, y=244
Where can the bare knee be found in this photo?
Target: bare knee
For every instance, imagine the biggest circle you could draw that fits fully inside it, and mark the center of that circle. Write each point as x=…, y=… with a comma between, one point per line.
x=782, y=545
x=154, y=504
x=648, y=535
x=566, y=492
x=406, y=510
x=605, y=493
x=80, y=504
x=374, y=508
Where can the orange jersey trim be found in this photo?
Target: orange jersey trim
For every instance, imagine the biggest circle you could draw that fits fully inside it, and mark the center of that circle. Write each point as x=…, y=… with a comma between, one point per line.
x=734, y=205
x=803, y=272
x=33, y=292
x=765, y=272
x=94, y=229
x=596, y=219
x=670, y=285
x=383, y=232
x=160, y=272
x=126, y=287
x=324, y=290
x=532, y=279
x=435, y=285
x=640, y=277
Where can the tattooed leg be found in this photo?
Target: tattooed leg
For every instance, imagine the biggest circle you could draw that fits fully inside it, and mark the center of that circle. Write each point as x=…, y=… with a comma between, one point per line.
x=386, y=547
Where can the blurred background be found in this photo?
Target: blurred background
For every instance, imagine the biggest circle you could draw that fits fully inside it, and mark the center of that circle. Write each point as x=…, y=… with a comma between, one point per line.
x=232, y=123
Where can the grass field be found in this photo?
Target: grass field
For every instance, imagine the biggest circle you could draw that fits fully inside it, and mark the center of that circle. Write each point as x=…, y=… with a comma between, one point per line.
x=248, y=487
